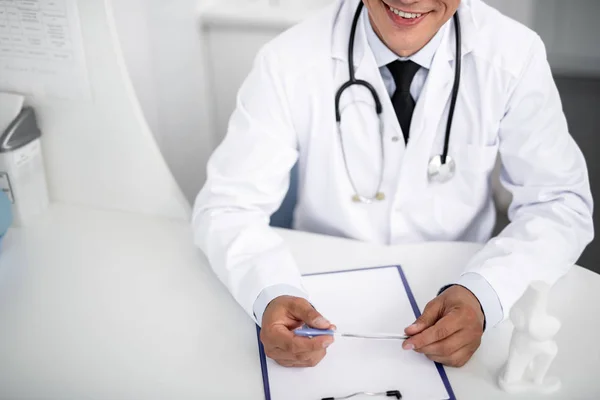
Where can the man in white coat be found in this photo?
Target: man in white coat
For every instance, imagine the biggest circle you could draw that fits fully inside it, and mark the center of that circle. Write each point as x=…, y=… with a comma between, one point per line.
x=507, y=103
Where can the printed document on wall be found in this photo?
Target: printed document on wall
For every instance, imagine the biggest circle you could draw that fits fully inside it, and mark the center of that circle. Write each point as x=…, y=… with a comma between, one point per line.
x=41, y=49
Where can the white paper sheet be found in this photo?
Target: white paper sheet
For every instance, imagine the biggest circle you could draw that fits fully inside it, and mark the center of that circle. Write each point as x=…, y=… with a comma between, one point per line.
x=41, y=50
x=364, y=301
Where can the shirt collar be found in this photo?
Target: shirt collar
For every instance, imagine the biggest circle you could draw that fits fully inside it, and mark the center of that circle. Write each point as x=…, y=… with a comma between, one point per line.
x=384, y=56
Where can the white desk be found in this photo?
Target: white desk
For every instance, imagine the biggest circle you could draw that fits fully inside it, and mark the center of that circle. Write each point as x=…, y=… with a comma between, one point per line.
x=104, y=305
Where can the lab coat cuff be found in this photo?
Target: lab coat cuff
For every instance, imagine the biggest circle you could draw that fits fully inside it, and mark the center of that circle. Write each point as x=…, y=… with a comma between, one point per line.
x=271, y=293
x=271, y=268
x=487, y=296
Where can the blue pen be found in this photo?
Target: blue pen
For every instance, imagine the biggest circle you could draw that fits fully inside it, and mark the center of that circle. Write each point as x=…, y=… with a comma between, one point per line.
x=311, y=332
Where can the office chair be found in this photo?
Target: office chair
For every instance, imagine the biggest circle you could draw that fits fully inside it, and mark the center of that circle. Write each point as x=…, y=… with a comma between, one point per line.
x=284, y=216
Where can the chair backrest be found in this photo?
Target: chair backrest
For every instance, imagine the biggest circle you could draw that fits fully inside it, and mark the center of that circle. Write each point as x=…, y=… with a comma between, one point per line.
x=502, y=197
x=6, y=217
x=284, y=216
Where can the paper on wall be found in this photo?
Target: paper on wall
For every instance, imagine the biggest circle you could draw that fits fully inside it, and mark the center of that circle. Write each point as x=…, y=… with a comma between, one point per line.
x=41, y=49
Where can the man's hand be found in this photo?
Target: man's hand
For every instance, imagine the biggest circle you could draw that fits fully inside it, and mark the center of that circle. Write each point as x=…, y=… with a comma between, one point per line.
x=449, y=330
x=281, y=317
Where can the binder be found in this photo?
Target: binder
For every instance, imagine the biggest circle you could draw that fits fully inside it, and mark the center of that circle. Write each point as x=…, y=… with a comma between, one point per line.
x=377, y=299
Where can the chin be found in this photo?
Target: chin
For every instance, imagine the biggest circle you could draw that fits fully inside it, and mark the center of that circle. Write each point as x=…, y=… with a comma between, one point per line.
x=402, y=44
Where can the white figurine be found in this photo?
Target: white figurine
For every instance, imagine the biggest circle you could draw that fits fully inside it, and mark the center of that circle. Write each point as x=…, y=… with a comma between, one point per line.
x=532, y=349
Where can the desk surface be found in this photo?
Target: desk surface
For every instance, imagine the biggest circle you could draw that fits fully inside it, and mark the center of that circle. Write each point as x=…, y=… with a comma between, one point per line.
x=105, y=305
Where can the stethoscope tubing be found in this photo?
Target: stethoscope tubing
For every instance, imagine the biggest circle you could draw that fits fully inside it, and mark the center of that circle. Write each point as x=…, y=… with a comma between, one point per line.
x=379, y=108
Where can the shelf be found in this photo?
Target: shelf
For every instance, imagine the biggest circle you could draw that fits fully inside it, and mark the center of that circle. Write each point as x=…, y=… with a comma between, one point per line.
x=253, y=15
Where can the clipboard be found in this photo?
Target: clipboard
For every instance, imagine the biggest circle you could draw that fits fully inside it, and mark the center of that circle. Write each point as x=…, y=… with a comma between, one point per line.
x=354, y=289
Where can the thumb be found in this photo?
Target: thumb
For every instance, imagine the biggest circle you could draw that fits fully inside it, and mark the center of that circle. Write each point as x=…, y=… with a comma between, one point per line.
x=430, y=316
x=304, y=311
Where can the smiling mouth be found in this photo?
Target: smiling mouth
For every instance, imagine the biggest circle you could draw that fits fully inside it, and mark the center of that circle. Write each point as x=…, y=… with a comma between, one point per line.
x=404, y=14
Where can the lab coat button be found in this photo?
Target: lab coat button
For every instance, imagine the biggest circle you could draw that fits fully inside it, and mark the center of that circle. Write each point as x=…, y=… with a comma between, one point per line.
x=395, y=139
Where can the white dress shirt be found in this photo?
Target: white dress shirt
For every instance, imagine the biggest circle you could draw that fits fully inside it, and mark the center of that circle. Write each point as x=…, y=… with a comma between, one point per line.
x=383, y=56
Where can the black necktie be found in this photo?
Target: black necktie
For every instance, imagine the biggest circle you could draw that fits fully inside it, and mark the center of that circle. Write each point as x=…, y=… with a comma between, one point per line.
x=404, y=105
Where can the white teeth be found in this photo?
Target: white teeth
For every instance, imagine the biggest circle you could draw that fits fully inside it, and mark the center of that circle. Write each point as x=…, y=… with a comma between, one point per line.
x=404, y=14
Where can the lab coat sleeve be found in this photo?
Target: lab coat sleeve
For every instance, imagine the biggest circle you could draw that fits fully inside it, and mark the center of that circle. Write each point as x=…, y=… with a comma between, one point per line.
x=485, y=293
x=544, y=169
x=248, y=177
x=271, y=293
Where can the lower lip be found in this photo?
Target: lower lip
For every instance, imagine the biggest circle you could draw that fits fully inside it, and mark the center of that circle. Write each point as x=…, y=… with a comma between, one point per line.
x=403, y=21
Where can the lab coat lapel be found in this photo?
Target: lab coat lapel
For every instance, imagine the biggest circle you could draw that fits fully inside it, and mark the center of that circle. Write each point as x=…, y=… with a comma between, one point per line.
x=427, y=119
x=364, y=62
x=431, y=112
x=342, y=25
x=360, y=123
x=367, y=70
x=393, y=151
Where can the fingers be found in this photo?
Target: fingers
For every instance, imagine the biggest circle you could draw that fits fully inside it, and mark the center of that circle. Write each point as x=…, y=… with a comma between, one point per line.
x=281, y=337
x=313, y=362
x=447, y=347
x=281, y=344
x=295, y=351
x=441, y=330
x=433, y=311
x=305, y=312
x=300, y=360
x=456, y=348
x=457, y=359
x=453, y=339
x=276, y=336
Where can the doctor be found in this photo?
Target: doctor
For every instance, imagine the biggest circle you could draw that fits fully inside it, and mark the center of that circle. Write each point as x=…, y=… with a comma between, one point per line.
x=405, y=155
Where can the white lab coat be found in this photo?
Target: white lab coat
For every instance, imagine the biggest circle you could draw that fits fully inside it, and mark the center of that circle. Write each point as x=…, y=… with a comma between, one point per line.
x=508, y=103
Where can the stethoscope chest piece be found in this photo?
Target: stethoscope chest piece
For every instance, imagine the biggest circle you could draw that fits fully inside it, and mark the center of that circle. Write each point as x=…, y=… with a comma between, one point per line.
x=439, y=172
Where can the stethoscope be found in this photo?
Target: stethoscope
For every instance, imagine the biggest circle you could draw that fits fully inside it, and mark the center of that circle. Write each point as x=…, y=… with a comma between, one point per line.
x=442, y=168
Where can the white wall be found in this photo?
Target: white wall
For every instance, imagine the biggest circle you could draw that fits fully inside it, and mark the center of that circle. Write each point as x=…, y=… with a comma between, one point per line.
x=520, y=10
x=163, y=51
x=163, y=48
x=291, y=3
x=570, y=31
x=572, y=35
x=244, y=25
x=100, y=152
x=131, y=17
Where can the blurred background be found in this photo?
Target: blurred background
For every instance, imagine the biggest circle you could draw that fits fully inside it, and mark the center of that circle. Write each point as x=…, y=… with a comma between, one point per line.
x=187, y=59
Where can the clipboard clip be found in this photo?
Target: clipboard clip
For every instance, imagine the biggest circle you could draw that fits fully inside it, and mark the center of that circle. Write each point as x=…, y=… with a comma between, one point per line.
x=390, y=393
